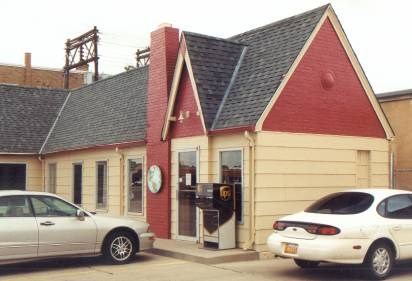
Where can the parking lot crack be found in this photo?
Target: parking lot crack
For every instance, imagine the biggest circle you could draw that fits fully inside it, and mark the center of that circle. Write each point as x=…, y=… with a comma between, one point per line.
x=239, y=272
x=101, y=270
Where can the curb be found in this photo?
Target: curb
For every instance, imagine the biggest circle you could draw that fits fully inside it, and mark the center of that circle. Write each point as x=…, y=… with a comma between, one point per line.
x=246, y=256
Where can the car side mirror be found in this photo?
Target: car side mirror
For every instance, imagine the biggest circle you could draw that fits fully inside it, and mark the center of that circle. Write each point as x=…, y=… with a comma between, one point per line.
x=80, y=215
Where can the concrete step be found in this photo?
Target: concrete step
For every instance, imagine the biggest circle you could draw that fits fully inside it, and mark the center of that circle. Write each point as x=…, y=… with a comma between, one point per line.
x=191, y=251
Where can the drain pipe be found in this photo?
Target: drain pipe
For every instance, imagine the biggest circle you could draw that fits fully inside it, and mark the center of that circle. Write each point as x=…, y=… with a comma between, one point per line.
x=252, y=230
x=43, y=171
x=392, y=169
x=121, y=180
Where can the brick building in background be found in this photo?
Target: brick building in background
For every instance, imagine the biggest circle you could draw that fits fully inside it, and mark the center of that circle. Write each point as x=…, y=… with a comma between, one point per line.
x=26, y=75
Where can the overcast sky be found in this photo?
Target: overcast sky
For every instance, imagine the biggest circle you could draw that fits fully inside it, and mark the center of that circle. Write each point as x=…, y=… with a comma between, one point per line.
x=380, y=31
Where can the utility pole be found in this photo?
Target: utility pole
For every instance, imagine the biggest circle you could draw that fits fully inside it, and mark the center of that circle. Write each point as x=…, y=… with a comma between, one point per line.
x=81, y=51
x=142, y=57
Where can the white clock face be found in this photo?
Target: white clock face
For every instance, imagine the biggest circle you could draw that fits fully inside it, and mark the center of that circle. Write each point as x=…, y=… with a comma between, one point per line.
x=154, y=179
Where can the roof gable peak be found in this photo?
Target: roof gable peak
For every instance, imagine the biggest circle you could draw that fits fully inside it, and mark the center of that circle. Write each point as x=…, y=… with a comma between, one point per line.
x=226, y=40
x=275, y=23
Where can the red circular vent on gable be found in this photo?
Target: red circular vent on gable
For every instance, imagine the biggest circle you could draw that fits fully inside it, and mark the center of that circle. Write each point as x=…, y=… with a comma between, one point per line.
x=327, y=80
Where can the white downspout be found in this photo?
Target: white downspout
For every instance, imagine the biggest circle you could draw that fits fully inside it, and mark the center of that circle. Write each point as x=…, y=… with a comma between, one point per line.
x=121, y=180
x=392, y=169
x=252, y=230
x=43, y=171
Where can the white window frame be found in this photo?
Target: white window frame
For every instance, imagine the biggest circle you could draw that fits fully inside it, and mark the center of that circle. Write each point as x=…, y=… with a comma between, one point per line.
x=106, y=208
x=48, y=176
x=126, y=185
x=219, y=156
x=25, y=167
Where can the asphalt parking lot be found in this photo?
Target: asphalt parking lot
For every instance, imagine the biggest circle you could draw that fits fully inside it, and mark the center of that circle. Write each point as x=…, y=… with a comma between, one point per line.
x=158, y=268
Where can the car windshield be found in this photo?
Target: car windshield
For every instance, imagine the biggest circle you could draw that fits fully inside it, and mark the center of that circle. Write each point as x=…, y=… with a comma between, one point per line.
x=342, y=203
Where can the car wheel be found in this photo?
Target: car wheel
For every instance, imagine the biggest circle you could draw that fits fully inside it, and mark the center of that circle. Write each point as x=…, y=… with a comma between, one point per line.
x=379, y=261
x=306, y=264
x=120, y=247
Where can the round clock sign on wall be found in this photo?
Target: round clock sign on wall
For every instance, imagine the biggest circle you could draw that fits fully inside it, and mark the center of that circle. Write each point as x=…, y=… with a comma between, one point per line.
x=154, y=179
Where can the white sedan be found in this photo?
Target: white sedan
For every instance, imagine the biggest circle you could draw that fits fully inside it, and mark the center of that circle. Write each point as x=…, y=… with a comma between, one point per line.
x=35, y=225
x=372, y=227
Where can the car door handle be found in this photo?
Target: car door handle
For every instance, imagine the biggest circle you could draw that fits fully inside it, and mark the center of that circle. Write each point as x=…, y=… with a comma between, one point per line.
x=47, y=223
x=397, y=227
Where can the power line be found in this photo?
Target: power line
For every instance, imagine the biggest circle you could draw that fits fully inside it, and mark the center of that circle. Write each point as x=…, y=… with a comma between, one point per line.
x=118, y=35
x=117, y=57
x=119, y=44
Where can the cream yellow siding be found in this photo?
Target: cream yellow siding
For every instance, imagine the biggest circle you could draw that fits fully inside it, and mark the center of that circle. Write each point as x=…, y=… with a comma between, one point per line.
x=116, y=166
x=34, y=180
x=293, y=170
x=363, y=169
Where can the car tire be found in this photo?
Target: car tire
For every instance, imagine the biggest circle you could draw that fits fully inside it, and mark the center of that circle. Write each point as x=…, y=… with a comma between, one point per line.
x=379, y=261
x=120, y=247
x=306, y=264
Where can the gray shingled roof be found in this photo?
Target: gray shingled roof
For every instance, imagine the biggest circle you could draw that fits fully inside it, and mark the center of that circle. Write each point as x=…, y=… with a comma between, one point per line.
x=112, y=110
x=397, y=95
x=235, y=78
x=26, y=115
x=270, y=52
x=213, y=62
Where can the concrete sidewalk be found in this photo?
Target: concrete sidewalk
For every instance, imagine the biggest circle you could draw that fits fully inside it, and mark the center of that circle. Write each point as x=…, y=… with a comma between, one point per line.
x=191, y=251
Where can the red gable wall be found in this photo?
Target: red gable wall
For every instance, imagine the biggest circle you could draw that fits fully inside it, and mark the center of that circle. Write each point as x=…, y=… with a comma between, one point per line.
x=185, y=101
x=324, y=94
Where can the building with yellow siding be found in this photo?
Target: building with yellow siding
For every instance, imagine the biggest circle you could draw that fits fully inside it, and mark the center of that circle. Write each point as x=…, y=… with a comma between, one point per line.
x=283, y=112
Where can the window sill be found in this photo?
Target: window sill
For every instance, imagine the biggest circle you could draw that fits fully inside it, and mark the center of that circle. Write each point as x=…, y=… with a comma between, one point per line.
x=135, y=214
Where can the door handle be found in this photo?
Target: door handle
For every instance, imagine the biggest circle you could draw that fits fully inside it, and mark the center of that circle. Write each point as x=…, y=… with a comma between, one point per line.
x=47, y=223
x=396, y=227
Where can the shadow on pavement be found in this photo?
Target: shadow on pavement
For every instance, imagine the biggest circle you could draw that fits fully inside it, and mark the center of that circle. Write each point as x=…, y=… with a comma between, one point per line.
x=325, y=272
x=402, y=269
x=59, y=264
x=335, y=272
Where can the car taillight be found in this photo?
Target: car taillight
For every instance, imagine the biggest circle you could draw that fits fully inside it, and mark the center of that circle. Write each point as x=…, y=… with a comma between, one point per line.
x=328, y=230
x=312, y=228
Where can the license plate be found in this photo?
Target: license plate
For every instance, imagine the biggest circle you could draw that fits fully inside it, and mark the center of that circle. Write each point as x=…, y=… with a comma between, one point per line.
x=291, y=249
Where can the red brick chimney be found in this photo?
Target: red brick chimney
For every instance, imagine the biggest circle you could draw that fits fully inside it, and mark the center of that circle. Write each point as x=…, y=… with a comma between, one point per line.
x=28, y=77
x=164, y=44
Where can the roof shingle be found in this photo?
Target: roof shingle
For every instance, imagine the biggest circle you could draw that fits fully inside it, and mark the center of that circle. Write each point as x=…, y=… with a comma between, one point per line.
x=26, y=115
x=213, y=62
x=112, y=110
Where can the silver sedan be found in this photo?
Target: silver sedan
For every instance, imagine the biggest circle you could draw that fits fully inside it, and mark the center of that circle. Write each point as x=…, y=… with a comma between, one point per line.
x=35, y=225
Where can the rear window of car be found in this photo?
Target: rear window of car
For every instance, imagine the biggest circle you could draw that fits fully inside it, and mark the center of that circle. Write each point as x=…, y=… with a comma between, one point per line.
x=342, y=203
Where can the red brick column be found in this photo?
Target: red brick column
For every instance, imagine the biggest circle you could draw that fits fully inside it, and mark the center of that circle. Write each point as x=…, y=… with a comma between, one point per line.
x=163, y=53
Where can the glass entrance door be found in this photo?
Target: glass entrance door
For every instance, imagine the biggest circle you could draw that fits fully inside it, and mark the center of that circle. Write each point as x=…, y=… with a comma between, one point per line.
x=186, y=194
